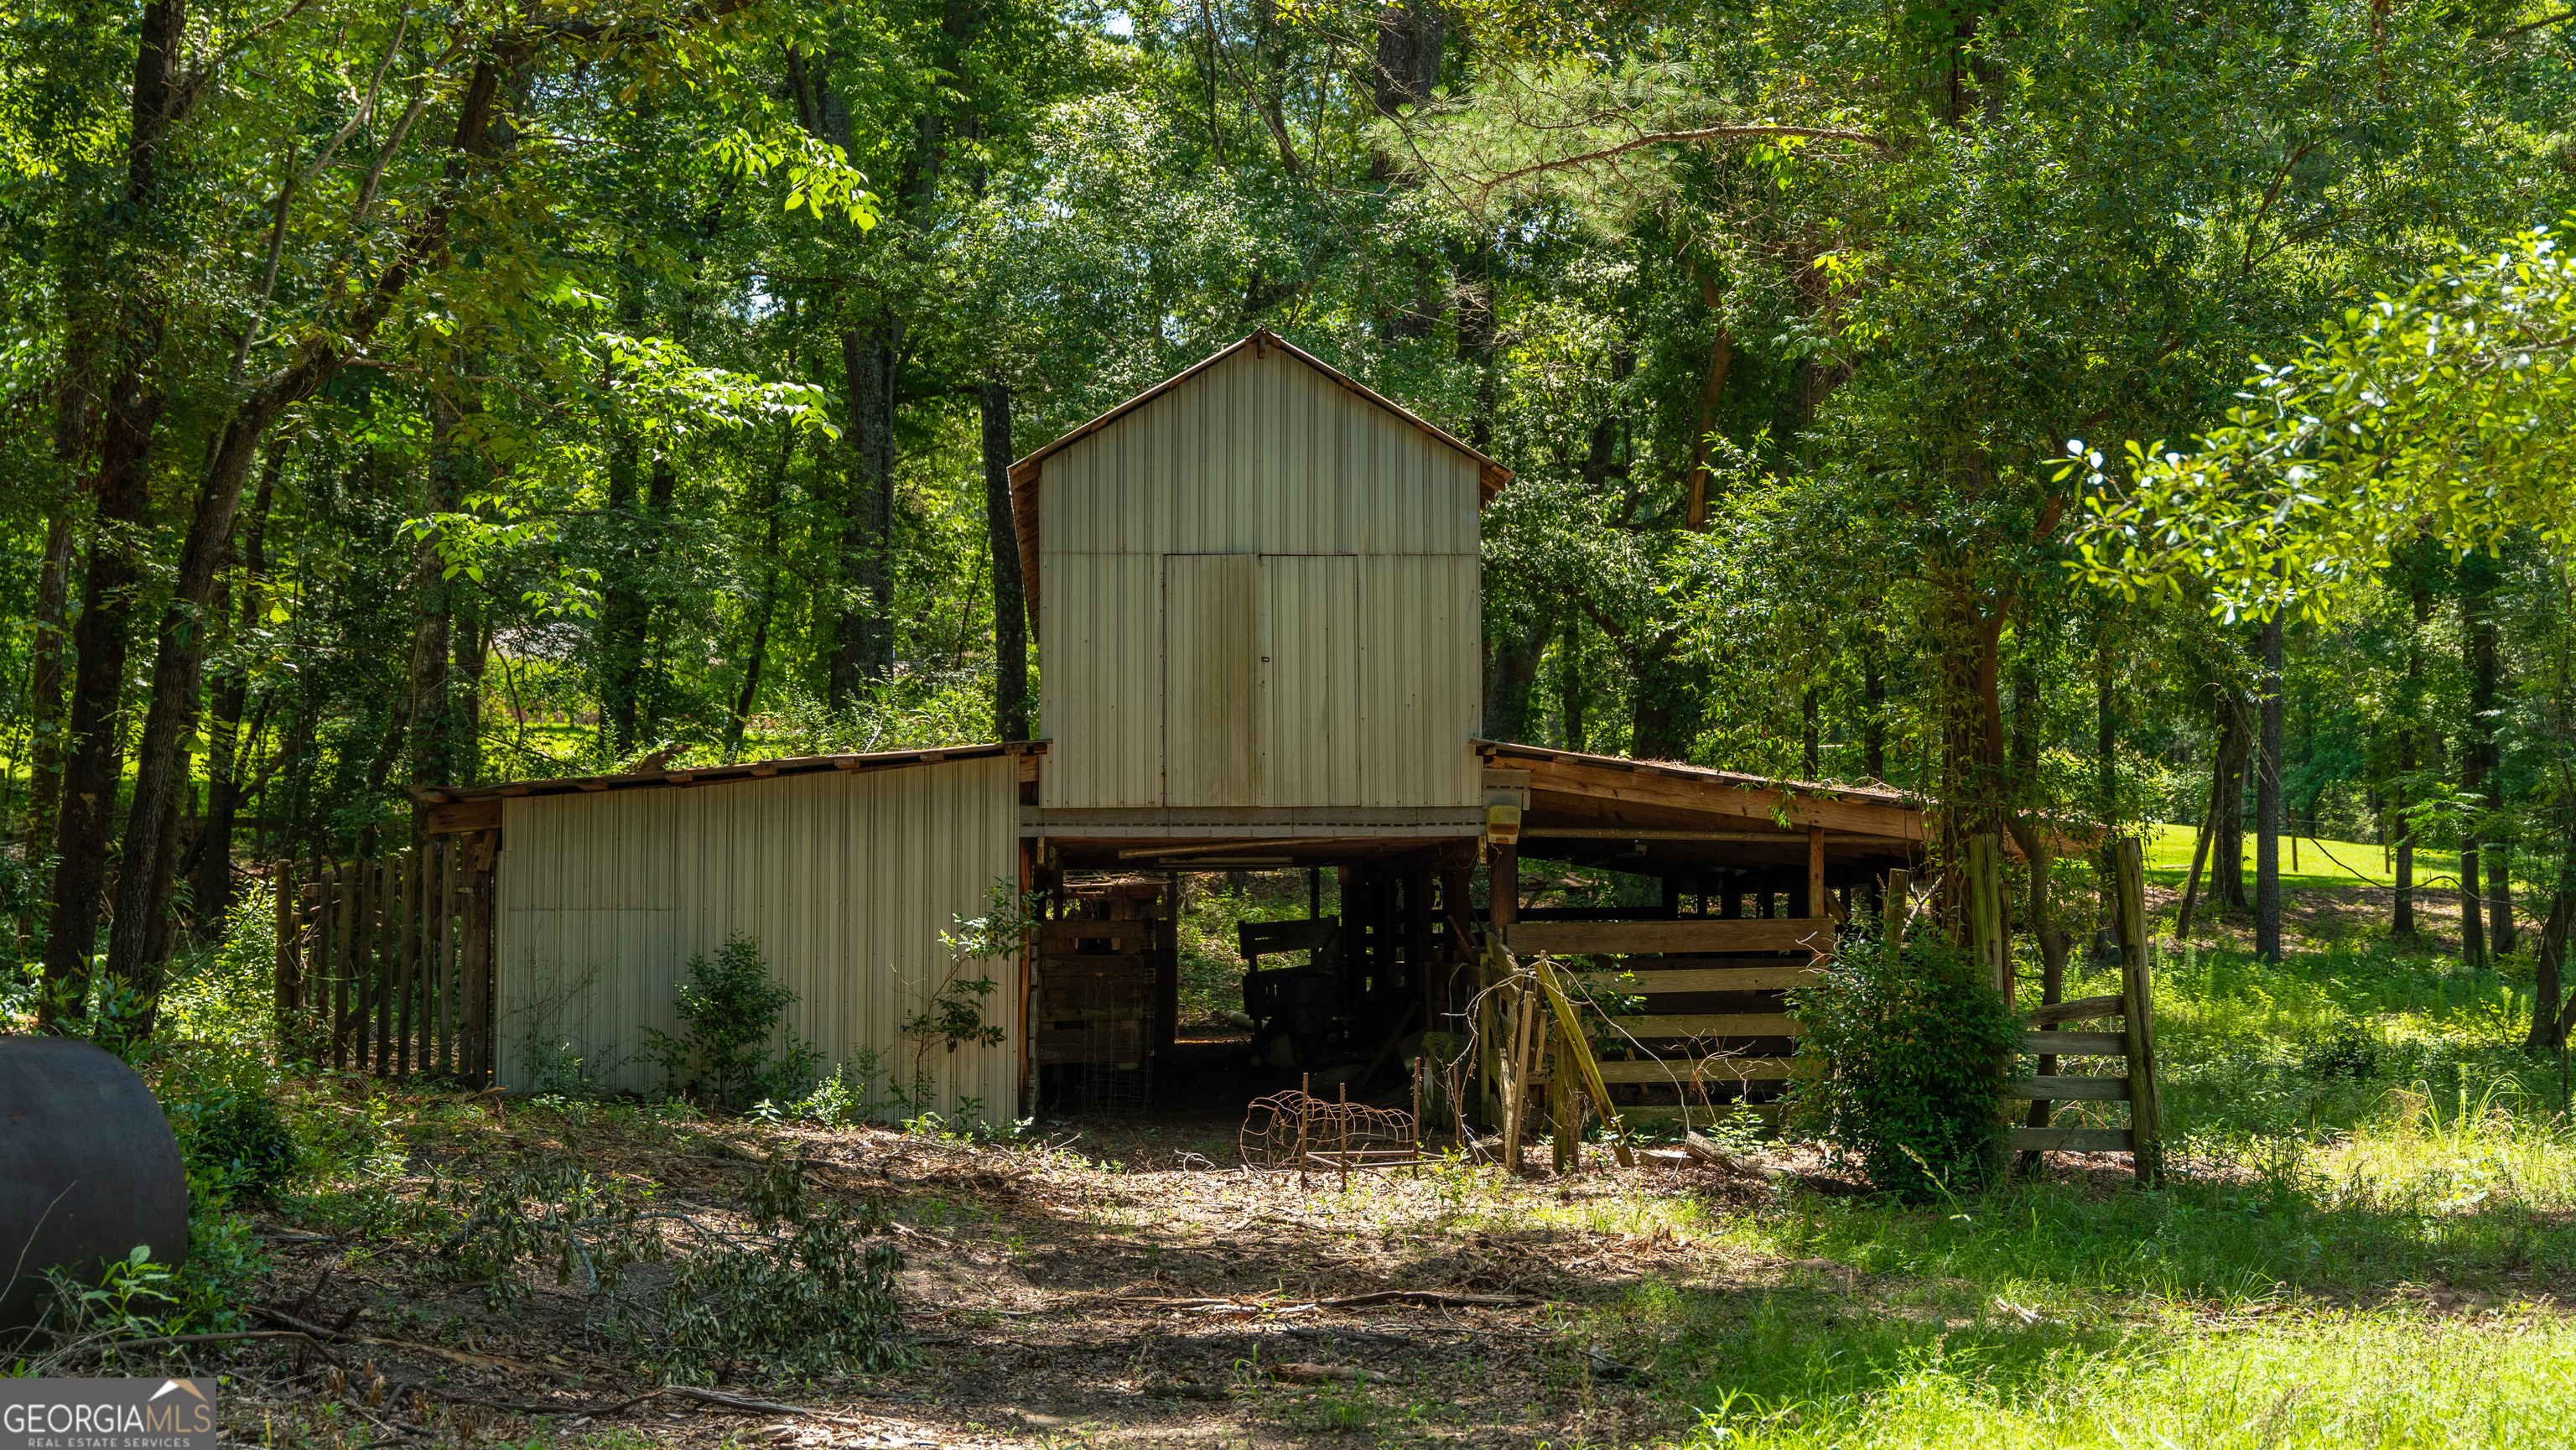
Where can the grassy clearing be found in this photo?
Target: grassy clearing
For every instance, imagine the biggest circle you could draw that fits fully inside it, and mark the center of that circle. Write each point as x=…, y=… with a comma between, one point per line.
x=2307, y=862
x=2370, y=1239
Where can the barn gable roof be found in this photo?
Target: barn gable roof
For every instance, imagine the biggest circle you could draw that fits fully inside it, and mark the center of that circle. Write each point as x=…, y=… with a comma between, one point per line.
x=1025, y=474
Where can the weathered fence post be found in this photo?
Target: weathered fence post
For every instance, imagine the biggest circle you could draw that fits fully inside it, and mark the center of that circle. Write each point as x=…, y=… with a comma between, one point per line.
x=283, y=983
x=2146, y=1130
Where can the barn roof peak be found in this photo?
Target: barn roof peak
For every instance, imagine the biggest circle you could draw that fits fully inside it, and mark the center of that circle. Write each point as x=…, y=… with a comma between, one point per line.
x=1025, y=474
x=1491, y=476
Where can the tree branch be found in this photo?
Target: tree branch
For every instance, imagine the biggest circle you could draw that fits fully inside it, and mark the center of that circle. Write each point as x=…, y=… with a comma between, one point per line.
x=1705, y=133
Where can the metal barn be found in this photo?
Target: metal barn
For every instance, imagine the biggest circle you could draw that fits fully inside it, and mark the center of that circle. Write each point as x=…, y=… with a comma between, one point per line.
x=1256, y=589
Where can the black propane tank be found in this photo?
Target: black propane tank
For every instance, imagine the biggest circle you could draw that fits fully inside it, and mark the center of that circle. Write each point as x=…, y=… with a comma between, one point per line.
x=88, y=1170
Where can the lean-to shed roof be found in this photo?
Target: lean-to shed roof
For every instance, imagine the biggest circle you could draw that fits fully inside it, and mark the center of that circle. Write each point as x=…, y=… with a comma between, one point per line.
x=477, y=807
x=1027, y=473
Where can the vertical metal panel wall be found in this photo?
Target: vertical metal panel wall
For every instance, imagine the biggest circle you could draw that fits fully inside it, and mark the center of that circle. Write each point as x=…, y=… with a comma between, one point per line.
x=1263, y=456
x=847, y=880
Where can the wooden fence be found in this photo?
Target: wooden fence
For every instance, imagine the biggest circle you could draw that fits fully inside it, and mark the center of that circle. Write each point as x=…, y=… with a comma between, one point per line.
x=2133, y=1009
x=391, y=959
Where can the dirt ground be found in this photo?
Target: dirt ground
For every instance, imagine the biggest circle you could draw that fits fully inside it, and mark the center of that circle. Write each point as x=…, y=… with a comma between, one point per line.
x=1101, y=1282
x=1112, y=1284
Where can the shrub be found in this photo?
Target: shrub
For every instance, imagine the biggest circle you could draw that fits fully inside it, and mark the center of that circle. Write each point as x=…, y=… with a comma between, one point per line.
x=1905, y=1047
x=226, y=1118
x=732, y=1010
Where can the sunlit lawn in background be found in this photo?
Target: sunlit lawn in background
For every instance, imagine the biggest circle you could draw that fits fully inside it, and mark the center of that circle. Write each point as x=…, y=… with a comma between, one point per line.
x=2306, y=861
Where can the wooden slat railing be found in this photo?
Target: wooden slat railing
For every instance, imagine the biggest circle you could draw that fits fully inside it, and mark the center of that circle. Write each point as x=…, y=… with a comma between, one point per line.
x=394, y=957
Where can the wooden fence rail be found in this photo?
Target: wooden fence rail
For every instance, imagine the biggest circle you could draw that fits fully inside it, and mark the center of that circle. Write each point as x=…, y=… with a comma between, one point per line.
x=391, y=958
x=2134, y=1008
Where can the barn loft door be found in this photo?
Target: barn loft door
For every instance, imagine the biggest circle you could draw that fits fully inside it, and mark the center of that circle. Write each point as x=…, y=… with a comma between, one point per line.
x=1211, y=680
x=1261, y=679
x=1309, y=723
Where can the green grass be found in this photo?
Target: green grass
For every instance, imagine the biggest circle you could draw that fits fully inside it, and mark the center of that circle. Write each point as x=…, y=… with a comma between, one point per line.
x=2372, y=1219
x=1800, y=1376
x=2306, y=861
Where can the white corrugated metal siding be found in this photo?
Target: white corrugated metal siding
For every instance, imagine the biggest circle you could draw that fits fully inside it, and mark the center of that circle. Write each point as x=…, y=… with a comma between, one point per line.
x=1262, y=456
x=1212, y=679
x=847, y=880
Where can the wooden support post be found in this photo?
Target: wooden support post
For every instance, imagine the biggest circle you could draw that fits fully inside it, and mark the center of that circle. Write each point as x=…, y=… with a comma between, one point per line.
x=2146, y=1128
x=282, y=987
x=1490, y=1056
x=1516, y=1071
x=409, y=919
x=1900, y=893
x=476, y=980
x=1816, y=900
x=1503, y=890
x=344, y=960
x=390, y=910
x=1565, y=1133
x=1584, y=1062
x=450, y=852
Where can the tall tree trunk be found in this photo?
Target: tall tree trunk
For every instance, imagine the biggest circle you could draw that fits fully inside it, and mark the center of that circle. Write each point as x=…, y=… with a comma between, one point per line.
x=1972, y=820
x=1667, y=701
x=211, y=854
x=1010, y=598
x=2267, y=809
x=137, y=943
x=2548, y=1019
x=1511, y=674
x=472, y=642
x=2227, y=844
x=863, y=635
x=133, y=402
x=75, y=411
x=1873, y=694
x=2411, y=734
x=1712, y=390
x=45, y=689
x=621, y=603
x=1411, y=45
x=432, y=619
x=1569, y=683
x=766, y=606
x=2485, y=677
x=2476, y=579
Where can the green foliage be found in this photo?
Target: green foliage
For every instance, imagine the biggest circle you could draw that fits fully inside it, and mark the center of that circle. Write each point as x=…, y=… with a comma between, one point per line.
x=227, y=993
x=2443, y=411
x=134, y=1297
x=230, y=1129
x=556, y=1215
x=809, y=1296
x=733, y=1011
x=845, y=1097
x=1907, y=1050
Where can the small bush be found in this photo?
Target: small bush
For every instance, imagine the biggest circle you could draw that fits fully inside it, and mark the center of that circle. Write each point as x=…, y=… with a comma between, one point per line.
x=231, y=1132
x=2352, y=1052
x=1906, y=1047
x=733, y=1010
